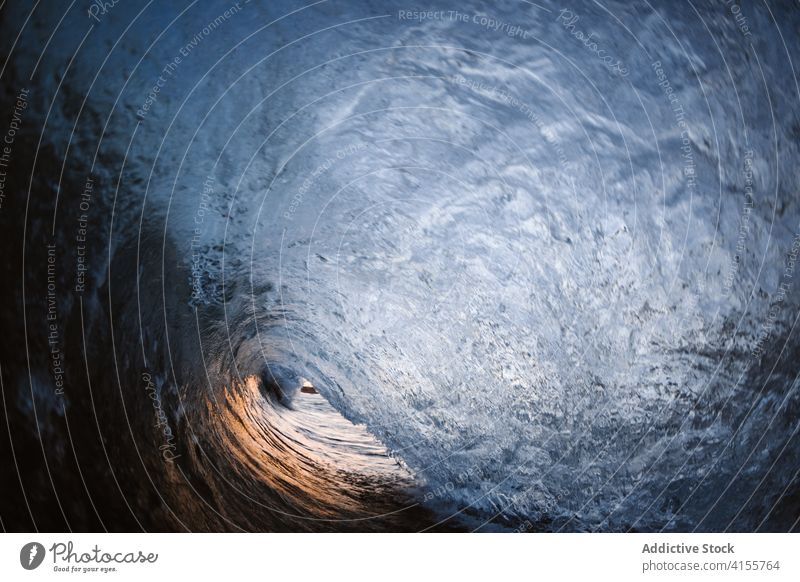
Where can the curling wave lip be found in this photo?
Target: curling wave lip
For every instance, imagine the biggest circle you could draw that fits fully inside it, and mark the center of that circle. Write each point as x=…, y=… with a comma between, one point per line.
x=530, y=293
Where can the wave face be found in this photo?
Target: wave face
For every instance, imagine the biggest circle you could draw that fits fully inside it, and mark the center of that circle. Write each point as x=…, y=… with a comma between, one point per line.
x=346, y=266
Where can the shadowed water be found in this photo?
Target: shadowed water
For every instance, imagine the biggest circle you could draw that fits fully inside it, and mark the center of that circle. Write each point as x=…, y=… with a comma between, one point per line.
x=351, y=267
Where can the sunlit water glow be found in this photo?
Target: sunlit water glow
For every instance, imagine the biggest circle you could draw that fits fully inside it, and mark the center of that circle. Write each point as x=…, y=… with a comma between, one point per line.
x=518, y=283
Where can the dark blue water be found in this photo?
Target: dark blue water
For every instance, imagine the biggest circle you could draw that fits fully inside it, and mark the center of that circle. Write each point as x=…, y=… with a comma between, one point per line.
x=364, y=266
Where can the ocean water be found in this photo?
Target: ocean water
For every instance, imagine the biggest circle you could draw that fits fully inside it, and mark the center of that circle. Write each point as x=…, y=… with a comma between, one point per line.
x=353, y=266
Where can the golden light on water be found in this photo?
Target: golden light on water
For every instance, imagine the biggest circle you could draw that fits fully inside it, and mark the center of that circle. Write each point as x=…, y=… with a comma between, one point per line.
x=321, y=465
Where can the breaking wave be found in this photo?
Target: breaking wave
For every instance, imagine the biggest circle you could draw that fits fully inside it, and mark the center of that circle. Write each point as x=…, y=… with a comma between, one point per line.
x=352, y=266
